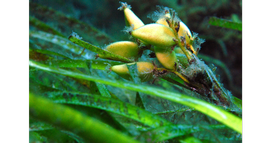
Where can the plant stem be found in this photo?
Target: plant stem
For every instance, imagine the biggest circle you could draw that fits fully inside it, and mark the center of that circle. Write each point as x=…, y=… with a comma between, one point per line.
x=181, y=76
x=178, y=41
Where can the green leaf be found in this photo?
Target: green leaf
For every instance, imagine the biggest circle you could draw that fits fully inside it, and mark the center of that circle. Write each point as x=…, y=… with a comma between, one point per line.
x=237, y=102
x=54, y=135
x=99, y=64
x=133, y=70
x=101, y=87
x=46, y=53
x=39, y=126
x=60, y=41
x=100, y=115
x=43, y=26
x=61, y=20
x=35, y=137
x=109, y=104
x=74, y=38
x=72, y=120
x=190, y=140
x=213, y=111
x=225, y=23
x=172, y=131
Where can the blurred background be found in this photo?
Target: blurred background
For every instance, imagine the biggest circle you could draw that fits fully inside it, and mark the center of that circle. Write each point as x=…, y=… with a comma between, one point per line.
x=222, y=46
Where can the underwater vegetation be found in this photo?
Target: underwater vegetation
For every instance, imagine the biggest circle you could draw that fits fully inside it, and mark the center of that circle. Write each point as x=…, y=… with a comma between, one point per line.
x=151, y=86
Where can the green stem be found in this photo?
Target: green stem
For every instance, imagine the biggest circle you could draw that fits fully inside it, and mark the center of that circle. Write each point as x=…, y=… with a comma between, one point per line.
x=183, y=49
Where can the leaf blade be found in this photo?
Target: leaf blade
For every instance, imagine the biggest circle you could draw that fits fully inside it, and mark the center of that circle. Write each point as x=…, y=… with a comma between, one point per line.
x=73, y=121
x=108, y=104
x=217, y=113
x=225, y=23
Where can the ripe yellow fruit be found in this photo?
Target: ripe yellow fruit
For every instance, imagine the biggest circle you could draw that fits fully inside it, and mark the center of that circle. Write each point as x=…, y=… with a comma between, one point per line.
x=155, y=34
x=163, y=19
x=166, y=57
x=145, y=70
x=130, y=17
x=126, y=49
x=183, y=30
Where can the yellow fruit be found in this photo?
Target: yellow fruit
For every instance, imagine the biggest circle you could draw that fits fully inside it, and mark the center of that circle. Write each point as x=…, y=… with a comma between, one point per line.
x=163, y=20
x=130, y=17
x=166, y=57
x=145, y=70
x=126, y=49
x=185, y=32
x=155, y=34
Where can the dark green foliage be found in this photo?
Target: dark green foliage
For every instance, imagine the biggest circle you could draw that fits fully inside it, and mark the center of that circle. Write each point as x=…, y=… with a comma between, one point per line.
x=225, y=23
x=74, y=97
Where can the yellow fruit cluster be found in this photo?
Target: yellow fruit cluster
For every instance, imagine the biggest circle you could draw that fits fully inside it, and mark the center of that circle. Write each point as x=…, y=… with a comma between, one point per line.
x=164, y=35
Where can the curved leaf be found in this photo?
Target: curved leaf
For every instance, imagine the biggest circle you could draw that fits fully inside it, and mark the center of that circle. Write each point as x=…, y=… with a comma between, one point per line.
x=63, y=42
x=99, y=64
x=172, y=131
x=213, y=111
x=225, y=23
x=72, y=120
x=108, y=104
x=43, y=26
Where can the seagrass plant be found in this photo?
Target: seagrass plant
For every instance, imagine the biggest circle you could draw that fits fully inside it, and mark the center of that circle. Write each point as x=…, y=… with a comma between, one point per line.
x=152, y=88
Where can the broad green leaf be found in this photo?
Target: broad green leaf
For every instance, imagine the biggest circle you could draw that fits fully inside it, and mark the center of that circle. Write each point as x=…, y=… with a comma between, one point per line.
x=35, y=137
x=60, y=41
x=99, y=64
x=109, y=104
x=172, y=131
x=225, y=23
x=72, y=120
x=213, y=111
